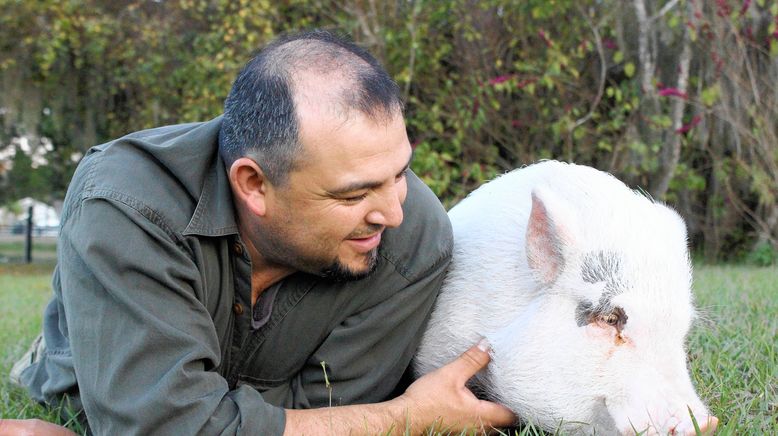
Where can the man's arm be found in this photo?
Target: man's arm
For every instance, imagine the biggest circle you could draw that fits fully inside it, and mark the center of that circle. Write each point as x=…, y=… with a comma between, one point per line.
x=31, y=427
x=144, y=346
x=438, y=398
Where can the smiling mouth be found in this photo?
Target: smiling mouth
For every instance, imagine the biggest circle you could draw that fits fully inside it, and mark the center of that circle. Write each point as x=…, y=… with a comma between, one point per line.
x=370, y=232
x=365, y=244
x=364, y=238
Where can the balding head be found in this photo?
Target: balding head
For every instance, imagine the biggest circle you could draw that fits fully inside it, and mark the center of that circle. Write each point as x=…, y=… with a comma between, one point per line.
x=313, y=69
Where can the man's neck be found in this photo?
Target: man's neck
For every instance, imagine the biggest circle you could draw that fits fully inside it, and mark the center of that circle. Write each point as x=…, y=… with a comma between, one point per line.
x=263, y=273
x=263, y=278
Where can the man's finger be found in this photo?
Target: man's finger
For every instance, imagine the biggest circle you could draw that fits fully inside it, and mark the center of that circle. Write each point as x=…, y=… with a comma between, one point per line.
x=471, y=361
x=496, y=415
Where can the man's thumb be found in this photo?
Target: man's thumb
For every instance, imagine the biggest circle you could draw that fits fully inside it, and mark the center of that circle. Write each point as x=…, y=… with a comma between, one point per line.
x=473, y=360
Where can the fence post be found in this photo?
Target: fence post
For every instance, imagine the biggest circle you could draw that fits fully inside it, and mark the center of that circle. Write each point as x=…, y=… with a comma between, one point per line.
x=28, y=239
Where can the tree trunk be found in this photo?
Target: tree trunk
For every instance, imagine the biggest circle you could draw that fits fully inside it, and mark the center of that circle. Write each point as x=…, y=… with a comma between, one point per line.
x=671, y=151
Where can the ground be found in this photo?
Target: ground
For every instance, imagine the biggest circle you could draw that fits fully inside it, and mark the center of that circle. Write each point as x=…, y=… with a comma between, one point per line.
x=733, y=348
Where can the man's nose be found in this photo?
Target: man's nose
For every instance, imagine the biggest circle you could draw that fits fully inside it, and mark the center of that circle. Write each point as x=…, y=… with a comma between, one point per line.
x=387, y=210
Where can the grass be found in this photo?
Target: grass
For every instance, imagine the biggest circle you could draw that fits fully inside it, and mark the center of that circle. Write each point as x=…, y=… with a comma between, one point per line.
x=44, y=249
x=24, y=291
x=733, y=349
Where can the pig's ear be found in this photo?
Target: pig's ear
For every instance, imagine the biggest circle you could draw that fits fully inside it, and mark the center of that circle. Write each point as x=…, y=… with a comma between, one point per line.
x=547, y=237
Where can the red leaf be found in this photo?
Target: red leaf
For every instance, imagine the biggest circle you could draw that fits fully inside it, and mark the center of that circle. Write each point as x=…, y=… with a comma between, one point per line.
x=686, y=127
x=744, y=8
x=545, y=38
x=500, y=79
x=609, y=44
x=672, y=92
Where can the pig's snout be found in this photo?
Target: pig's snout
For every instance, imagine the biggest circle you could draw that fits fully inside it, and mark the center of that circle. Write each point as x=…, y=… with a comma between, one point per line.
x=663, y=411
x=683, y=426
x=707, y=425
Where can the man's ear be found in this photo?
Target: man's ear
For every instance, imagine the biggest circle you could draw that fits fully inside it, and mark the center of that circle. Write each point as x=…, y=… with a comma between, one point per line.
x=249, y=185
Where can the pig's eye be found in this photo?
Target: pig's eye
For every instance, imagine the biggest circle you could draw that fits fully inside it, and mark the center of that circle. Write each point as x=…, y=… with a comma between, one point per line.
x=616, y=318
x=611, y=319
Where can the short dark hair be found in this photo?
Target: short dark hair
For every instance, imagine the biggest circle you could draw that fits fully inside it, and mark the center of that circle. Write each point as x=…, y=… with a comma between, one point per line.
x=260, y=120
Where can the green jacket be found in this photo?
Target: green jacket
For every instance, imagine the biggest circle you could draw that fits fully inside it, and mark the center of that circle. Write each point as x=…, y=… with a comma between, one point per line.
x=149, y=327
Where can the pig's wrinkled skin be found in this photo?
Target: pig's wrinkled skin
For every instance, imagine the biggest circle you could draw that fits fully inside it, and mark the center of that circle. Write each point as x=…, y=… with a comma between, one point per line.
x=582, y=286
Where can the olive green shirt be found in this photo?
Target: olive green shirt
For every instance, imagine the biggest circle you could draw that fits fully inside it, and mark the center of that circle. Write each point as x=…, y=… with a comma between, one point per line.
x=149, y=329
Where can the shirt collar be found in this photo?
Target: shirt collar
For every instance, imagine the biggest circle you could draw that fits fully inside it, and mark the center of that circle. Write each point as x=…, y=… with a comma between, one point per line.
x=214, y=214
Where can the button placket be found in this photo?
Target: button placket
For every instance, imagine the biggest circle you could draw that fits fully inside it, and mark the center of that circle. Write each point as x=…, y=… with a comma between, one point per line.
x=241, y=327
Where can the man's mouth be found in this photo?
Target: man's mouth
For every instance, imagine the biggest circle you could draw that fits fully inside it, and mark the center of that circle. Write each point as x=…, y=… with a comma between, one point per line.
x=365, y=244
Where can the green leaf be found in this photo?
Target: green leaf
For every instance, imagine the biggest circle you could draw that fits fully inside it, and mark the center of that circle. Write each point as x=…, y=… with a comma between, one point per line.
x=629, y=69
x=673, y=21
x=710, y=95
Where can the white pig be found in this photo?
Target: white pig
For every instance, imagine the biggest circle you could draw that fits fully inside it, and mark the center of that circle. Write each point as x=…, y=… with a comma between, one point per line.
x=582, y=287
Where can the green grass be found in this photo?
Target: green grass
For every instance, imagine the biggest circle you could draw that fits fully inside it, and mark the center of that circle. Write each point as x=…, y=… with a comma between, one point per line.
x=733, y=348
x=24, y=291
x=12, y=249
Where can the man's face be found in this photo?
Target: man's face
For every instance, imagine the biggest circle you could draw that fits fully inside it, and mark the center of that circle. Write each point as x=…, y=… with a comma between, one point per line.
x=345, y=190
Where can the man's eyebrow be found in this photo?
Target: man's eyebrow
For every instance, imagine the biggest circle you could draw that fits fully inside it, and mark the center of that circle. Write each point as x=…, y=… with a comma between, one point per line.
x=371, y=184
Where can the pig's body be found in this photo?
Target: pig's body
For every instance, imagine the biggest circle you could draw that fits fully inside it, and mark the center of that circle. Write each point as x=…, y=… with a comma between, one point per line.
x=582, y=286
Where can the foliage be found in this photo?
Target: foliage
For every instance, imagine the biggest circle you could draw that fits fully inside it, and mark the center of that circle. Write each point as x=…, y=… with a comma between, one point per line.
x=763, y=255
x=489, y=86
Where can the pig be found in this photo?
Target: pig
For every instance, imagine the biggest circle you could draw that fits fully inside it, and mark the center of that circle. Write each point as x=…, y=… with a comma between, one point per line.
x=583, y=289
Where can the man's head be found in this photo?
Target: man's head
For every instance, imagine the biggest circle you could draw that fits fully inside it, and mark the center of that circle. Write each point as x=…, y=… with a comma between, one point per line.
x=315, y=143
x=260, y=118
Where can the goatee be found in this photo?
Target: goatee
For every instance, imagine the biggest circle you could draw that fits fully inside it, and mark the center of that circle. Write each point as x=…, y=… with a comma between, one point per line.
x=338, y=272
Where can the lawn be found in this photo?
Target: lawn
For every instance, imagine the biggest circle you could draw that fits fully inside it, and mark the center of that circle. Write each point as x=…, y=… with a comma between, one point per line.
x=12, y=249
x=733, y=349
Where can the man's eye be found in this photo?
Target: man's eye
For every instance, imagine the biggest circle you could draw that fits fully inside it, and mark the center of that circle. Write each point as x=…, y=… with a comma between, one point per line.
x=354, y=199
x=402, y=175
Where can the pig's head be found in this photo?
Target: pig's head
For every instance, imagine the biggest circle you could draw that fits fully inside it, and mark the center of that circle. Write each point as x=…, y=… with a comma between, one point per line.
x=602, y=343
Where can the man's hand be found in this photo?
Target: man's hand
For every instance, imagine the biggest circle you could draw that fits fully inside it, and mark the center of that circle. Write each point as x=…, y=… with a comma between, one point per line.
x=31, y=427
x=441, y=396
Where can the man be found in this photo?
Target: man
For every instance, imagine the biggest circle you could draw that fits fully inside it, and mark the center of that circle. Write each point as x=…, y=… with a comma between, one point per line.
x=239, y=275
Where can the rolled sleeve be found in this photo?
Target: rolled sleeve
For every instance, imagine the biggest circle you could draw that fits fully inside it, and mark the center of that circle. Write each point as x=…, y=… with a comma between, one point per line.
x=144, y=346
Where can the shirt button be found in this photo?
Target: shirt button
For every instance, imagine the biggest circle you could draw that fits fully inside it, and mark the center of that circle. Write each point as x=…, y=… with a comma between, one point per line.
x=238, y=309
x=238, y=249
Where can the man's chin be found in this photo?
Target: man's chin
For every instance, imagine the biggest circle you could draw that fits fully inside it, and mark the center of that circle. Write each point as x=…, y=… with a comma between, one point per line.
x=339, y=272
